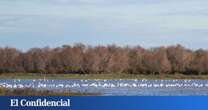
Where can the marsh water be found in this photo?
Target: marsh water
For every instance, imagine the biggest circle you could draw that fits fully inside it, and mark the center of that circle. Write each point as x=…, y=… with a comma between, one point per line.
x=116, y=87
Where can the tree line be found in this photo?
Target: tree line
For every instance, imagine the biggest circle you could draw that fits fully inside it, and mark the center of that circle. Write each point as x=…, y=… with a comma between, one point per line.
x=84, y=59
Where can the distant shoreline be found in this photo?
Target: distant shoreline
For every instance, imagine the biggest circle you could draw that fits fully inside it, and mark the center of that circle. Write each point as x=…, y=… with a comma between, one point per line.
x=112, y=76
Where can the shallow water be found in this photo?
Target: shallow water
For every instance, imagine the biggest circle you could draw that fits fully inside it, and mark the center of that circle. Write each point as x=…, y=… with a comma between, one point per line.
x=116, y=87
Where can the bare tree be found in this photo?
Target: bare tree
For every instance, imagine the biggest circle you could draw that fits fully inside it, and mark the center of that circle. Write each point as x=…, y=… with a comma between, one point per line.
x=104, y=59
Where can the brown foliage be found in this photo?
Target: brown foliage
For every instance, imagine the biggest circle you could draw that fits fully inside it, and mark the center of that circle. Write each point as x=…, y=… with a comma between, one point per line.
x=104, y=59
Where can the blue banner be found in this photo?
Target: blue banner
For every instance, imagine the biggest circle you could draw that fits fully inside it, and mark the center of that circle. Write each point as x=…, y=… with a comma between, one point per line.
x=105, y=103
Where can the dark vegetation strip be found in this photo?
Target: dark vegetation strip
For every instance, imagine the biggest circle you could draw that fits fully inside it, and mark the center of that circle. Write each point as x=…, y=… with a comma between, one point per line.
x=82, y=59
x=33, y=92
x=99, y=76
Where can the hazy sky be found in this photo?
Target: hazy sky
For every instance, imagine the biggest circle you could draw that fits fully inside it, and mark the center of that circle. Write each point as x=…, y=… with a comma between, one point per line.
x=149, y=23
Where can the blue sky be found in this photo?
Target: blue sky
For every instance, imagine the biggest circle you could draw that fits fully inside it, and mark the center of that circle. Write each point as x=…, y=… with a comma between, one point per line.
x=37, y=23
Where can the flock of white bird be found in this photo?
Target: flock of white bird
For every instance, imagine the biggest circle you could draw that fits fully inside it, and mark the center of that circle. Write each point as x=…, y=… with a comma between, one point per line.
x=102, y=84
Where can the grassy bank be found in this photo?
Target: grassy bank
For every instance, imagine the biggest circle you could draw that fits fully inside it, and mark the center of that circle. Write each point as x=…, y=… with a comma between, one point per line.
x=32, y=92
x=98, y=76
